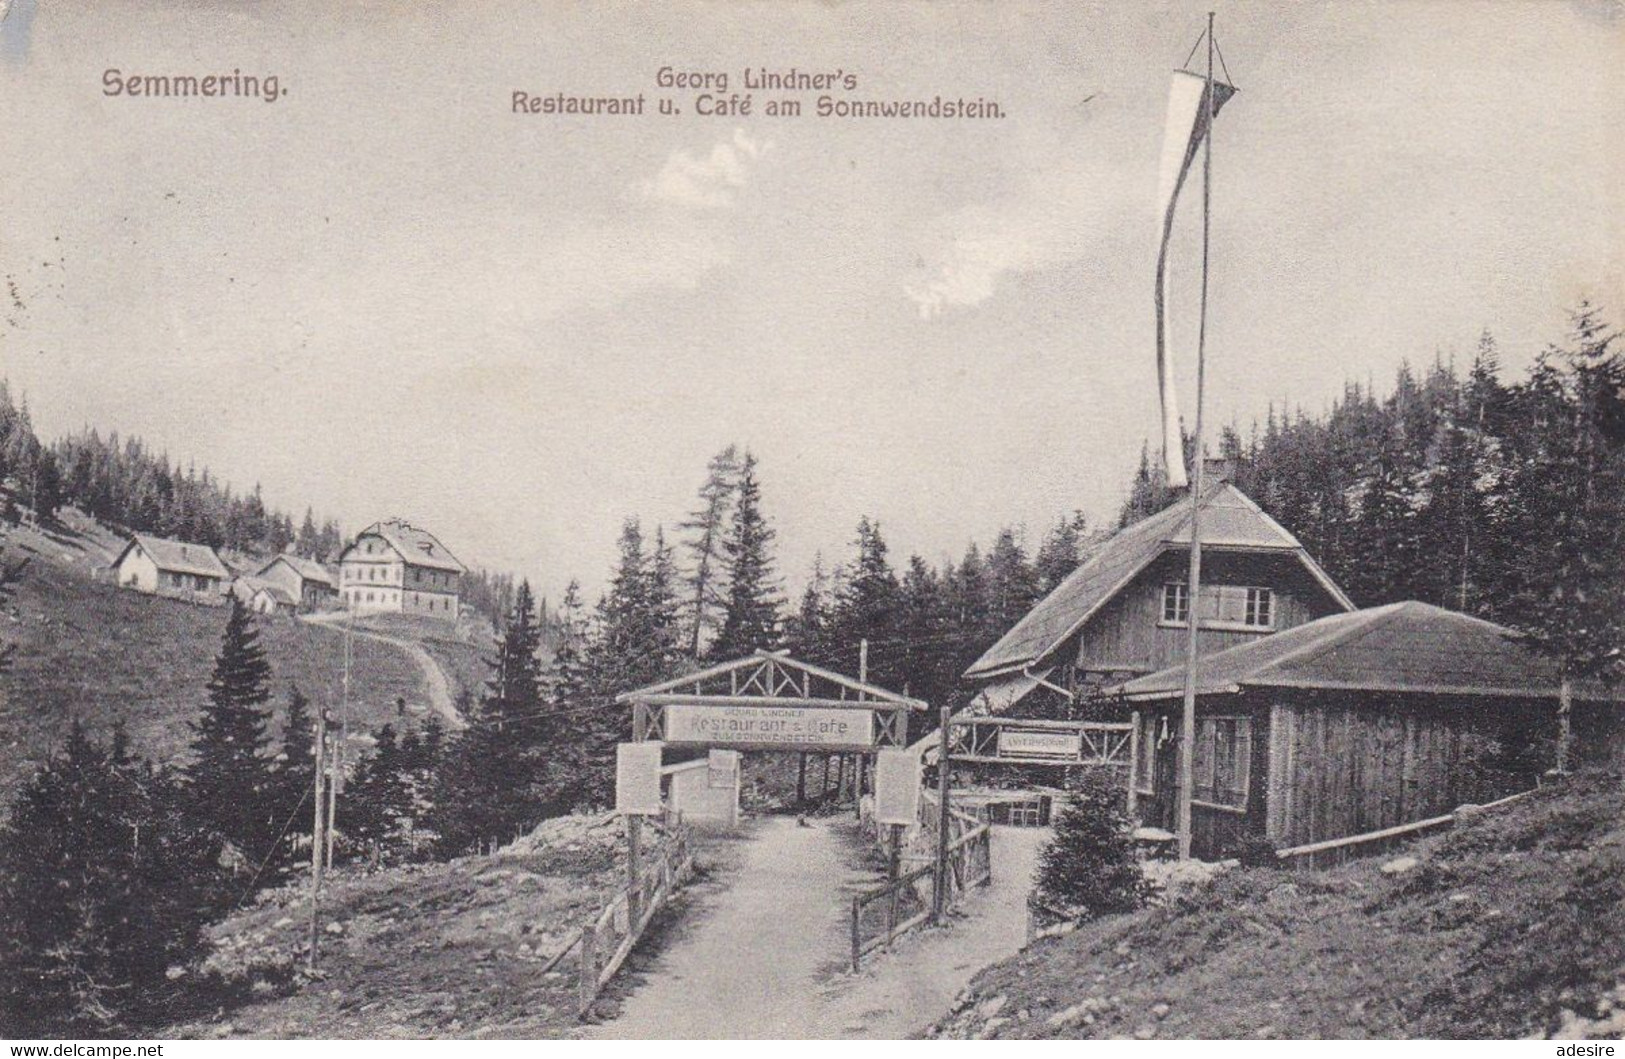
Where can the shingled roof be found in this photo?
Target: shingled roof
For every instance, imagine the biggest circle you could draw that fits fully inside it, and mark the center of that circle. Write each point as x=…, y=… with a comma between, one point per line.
x=1400, y=648
x=1229, y=520
x=308, y=569
x=417, y=546
x=178, y=556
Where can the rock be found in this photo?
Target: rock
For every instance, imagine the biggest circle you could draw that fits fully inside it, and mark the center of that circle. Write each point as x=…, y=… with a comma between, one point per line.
x=1069, y=1017
x=1122, y=948
x=989, y=1028
x=988, y=1008
x=1160, y=1010
x=335, y=928
x=1399, y=865
x=1268, y=1032
x=1145, y=1032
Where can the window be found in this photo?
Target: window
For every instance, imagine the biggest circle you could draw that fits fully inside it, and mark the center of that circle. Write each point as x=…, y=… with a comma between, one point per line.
x=1223, y=606
x=1222, y=765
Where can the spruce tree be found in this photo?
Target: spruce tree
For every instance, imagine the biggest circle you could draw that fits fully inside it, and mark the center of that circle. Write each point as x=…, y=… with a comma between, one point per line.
x=707, y=527
x=751, y=614
x=1089, y=867
x=101, y=892
x=493, y=796
x=230, y=777
x=1060, y=553
x=296, y=766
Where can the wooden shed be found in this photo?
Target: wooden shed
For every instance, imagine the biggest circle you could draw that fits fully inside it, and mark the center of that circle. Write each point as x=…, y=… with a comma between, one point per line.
x=1359, y=722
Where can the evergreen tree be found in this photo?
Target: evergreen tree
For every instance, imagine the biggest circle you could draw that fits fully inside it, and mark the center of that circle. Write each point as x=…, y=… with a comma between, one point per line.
x=807, y=632
x=707, y=528
x=868, y=605
x=493, y=796
x=101, y=892
x=1089, y=867
x=1060, y=553
x=1012, y=583
x=751, y=614
x=229, y=778
x=296, y=772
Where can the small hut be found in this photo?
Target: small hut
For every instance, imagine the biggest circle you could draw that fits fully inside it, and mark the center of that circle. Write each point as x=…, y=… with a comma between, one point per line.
x=1359, y=722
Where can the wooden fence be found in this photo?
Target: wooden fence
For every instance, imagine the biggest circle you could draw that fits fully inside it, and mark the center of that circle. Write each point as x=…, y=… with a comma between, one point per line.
x=1334, y=851
x=610, y=935
x=881, y=914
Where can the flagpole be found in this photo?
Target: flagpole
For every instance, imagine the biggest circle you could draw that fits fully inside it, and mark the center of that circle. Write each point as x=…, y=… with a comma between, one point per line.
x=1187, y=725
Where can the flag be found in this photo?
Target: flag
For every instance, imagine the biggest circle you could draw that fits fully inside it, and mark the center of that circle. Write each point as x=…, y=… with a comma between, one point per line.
x=1186, y=125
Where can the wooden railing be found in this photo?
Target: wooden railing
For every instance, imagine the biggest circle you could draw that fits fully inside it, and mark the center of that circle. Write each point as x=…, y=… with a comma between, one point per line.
x=1334, y=851
x=610, y=935
x=881, y=914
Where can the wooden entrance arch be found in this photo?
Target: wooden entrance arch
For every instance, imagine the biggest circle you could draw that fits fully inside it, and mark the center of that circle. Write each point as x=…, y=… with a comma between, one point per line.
x=770, y=701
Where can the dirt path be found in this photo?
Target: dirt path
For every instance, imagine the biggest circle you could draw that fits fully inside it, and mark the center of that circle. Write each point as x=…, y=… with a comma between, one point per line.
x=435, y=683
x=764, y=959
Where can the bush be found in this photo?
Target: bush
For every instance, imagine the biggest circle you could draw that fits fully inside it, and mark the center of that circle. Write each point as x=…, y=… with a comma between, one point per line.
x=1089, y=868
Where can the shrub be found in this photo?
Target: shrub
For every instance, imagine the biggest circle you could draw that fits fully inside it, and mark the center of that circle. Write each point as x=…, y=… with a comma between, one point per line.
x=1089, y=868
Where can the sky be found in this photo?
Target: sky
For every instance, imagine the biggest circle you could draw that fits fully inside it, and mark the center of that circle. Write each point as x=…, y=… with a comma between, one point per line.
x=386, y=294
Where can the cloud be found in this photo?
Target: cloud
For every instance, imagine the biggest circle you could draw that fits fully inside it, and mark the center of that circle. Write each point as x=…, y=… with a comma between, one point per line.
x=707, y=183
x=1060, y=216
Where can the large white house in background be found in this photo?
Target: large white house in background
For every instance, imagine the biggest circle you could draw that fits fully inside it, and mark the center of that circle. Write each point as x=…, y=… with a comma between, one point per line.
x=171, y=568
x=395, y=567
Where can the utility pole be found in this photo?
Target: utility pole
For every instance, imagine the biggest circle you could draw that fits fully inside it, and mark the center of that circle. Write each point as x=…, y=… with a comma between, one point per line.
x=857, y=759
x=1193, y=602
x=316, y=839
x=344, y=735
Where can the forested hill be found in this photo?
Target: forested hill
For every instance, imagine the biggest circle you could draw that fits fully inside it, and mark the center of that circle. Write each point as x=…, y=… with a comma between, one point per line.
x=124, y=484
x=1500, y=498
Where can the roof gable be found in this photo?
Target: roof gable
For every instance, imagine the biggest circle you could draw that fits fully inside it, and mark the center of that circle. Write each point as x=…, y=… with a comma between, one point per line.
x=1402, y=647
x=306, y=569
x=177, y=556
x=416, y=547
x=1230, y=520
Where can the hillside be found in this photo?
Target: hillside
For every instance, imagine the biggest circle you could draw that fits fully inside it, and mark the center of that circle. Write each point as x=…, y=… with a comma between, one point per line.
x=460, y=949
x=1511, y=926
x=87, y=649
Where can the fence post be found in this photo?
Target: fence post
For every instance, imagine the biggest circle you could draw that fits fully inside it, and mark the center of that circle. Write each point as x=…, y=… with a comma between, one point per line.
x=939, y=892
x=634, y=871
x=857, y=932
x=588, y=985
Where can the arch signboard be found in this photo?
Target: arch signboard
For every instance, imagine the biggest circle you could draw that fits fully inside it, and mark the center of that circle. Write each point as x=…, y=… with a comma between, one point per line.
x=770, y=701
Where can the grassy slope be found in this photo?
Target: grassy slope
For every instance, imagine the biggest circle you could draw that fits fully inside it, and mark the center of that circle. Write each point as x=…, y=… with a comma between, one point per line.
x=1504, y=924
x=85, y=648
x=441, y=950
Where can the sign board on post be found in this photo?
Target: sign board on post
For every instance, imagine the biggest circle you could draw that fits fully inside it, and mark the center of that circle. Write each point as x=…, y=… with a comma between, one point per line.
x=1064, y=745
x=723, y=768
x=770, y=726
x=637, y=778
x=897, y=787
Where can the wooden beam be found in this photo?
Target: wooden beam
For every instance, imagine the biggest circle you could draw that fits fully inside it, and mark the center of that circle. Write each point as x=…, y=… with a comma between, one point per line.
x=769, y=701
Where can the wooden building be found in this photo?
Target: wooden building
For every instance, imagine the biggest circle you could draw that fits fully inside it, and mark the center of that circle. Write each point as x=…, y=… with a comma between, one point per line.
x=1123, y=612
x=305, y=580
x=171, y=568
x=1358, y=722
x=394, y=566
